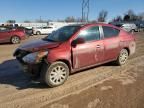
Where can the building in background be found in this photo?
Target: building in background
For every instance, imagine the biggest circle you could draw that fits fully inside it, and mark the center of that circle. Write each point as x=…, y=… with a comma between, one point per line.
x=31, y=25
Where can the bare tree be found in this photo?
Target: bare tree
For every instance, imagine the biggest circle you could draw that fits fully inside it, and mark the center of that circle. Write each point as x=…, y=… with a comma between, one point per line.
x=60, y=20
x=93, y=21
x=130, y=12
x=117, y=19
x=78, y=19
x=70, y=19
x=41, y=21
x=130, y=16
x=126, y=18
x=102, y=16
x=11, y=21
x=27, y=21
x=141, y=16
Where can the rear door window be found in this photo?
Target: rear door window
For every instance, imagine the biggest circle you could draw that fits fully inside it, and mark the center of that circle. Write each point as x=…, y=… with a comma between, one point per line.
x=110, y=32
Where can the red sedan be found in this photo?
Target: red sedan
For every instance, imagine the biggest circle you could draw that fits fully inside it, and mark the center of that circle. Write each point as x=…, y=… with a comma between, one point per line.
x=73, y=48
x=11, y=35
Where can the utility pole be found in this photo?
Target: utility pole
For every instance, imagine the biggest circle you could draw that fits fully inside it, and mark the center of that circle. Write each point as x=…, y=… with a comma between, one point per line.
x=40, y=19
x=85, y=10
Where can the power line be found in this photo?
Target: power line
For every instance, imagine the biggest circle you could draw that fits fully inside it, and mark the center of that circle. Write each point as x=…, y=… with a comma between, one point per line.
x=85, y=10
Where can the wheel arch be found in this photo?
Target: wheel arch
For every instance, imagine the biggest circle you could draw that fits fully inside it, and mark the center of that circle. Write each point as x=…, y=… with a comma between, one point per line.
x=15, y=36
x=66, y=62
x=127, y=50
x=38, y=31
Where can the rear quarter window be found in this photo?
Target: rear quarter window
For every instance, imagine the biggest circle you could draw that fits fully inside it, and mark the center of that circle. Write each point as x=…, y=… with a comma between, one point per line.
x=110, y=32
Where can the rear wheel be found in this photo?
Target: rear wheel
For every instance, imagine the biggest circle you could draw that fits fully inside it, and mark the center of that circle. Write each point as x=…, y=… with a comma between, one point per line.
x=38, y=33
x=15, y=40
x=123, y=56
x=56, y=74
x=132, y=31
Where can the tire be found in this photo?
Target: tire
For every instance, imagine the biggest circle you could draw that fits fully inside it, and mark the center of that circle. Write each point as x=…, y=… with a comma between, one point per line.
x=38, y=33
x=15, y=40
x=55, y=74
x=123, y=57
x=132, y=31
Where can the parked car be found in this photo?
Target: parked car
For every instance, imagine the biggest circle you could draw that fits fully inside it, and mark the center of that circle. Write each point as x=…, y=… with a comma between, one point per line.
x=43, y=30
x=140, y=26
x=73, y=48
x=11, y=35
x=130, y=27
x=28, y=30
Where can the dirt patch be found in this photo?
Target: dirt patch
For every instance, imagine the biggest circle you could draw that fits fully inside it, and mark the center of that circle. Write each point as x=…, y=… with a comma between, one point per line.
x=120, y=91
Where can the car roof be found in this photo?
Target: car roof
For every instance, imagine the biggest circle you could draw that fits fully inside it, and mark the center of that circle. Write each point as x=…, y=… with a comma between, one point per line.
x=89, y=24
x=95, y=24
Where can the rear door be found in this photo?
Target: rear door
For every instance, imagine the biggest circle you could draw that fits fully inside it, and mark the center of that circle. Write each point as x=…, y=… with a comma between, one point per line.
x=90, y=52
x=111, y=42
x=48, y=30
x=44, y=30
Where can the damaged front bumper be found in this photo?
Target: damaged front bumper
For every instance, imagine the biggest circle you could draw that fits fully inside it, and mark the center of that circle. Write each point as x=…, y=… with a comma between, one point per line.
x=32, y=69
x=31, y=62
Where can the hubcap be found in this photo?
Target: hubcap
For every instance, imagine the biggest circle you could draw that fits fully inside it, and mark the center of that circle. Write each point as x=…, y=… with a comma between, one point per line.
x=15, y=39
x=58, y=75
x=123, y=57
x=38, y=33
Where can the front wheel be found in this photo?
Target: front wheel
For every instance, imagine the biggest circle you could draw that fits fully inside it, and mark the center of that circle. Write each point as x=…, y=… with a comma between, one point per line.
x=123, y=56
x=132, y=31
x=56, y=74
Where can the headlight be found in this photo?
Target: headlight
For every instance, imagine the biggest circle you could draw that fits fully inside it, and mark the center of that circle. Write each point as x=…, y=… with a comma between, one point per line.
x=35, y=57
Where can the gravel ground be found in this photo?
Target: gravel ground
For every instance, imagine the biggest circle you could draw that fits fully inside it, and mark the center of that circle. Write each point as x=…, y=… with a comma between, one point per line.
x=106, y=86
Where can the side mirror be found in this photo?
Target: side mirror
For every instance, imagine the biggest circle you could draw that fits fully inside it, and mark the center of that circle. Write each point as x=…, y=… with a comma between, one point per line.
x=78, y=41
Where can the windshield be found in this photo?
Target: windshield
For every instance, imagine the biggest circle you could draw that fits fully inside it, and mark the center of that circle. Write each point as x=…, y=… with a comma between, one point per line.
x=63, y=34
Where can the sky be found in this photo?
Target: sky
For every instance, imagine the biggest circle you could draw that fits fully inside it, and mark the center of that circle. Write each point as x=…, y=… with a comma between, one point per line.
x=21, y=10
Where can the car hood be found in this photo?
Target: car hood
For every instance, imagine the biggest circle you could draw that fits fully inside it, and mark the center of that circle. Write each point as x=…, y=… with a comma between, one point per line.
x=38, y=45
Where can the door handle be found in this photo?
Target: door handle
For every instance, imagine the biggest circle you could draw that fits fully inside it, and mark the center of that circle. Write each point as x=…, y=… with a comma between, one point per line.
x=98, y=46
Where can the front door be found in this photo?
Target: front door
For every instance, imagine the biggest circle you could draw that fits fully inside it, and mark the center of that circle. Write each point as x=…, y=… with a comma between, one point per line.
x=91, y=51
